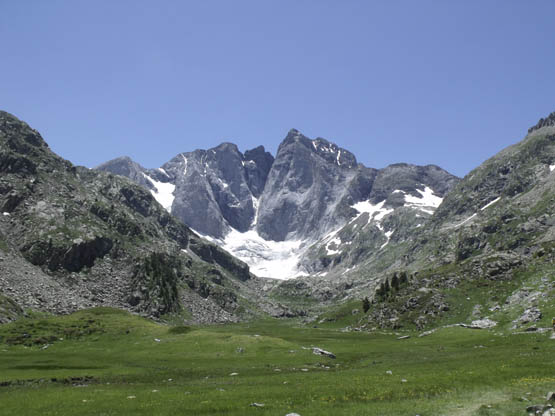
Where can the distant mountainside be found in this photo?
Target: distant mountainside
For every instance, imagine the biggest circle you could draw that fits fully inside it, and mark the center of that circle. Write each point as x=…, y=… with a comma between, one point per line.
x=71, y=238
x=486, y=256
x=276, y=213
x=424, y=247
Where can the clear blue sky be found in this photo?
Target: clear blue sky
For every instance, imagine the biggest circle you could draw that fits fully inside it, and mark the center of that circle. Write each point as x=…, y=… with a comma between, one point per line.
x=443, y=82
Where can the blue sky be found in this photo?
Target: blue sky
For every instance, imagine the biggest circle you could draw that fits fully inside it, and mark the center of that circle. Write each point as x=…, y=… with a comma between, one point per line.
x=443, y=82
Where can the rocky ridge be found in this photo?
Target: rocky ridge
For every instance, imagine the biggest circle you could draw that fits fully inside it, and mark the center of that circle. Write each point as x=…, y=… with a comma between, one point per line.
x=277, y=214
x=422, y=246
x=492, y=238
x=72, y=238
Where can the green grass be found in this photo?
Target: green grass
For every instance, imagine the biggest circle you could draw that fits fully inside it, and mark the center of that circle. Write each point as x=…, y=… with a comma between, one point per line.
x=129, y=365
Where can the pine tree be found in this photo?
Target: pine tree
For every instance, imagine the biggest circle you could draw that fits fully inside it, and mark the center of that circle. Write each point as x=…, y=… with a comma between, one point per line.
x=386, y=287
x=395, y=282
x=403, y=279
x=365, y=304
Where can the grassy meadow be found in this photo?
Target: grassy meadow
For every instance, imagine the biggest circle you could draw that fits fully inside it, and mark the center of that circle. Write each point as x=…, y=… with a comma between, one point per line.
x=108, y=362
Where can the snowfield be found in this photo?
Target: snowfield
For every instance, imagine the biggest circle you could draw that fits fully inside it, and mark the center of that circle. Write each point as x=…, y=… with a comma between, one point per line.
x=266, y=258
x=163, y=193
x=275, y=259
x=427, y=202
x=375, y=212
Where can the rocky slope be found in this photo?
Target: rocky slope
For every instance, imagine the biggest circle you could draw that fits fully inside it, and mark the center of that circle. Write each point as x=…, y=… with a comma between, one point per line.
x=71, y=238
x=424, y=247
x=487, y=253
x=284, y=217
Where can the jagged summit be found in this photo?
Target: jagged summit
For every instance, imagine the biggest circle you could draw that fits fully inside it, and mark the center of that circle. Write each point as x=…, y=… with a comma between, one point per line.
x=322, y=147
x=18, y=134
x=549, y=121
x=125, y=166
x=73, y=238
x=268, y=210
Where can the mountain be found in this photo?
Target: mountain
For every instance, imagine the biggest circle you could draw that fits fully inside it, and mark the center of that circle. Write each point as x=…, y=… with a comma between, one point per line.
x=424, y=247
x=71, y=237
x=487, y=253
x=280, y=215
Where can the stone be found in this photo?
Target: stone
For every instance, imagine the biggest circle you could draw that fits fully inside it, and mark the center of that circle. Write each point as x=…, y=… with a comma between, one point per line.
x=320, y=351
x=531, y=329
x=540, y=409
x=480, y=324
x=477, y=311
x=257, y=404
x=530, y=315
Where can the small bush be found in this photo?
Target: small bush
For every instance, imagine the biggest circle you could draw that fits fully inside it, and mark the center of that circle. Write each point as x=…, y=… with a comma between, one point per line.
x=179, y=329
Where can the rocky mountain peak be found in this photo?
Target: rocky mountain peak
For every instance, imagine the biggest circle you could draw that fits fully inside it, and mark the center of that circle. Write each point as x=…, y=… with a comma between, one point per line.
x=125, y=166
x=549, y=121
x=18, y=135
x=333, y=153
x=328, y=151
x=226, y=147
x=257, y=164
x=294, y=136
x=264, y=209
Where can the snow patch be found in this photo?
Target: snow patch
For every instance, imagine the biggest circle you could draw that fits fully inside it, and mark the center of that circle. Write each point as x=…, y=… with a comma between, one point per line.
x=349, y=269
x=375, y=212
x=551, y=168
x=6, y=214
x=223, y=183
x=164, y=172
x=266, y=258
x=337, y=242
x=255, y=205
x=426, y=202
x=330, y=235
x=338, y=156
x=388, y=235
x=465, y=221
x=490, y=203
x=163, y=192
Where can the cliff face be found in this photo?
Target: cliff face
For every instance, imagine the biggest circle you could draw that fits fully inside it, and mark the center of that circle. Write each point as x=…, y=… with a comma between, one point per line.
x=71, y=237
x=269, y=212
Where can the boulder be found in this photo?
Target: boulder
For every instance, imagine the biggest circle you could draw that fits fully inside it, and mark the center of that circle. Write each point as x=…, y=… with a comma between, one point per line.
x=320, y=351
x=480, y=324
x=529, y=315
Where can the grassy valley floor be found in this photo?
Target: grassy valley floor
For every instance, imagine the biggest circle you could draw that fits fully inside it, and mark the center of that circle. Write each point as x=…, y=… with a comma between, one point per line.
x=108, y=362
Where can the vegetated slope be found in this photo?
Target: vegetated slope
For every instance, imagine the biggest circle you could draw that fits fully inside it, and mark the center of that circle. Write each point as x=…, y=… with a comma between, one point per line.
x=280, y=215
x=488, y=252
x=71, y=238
